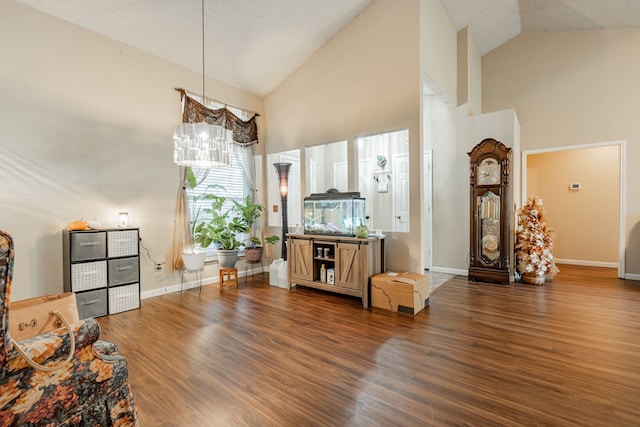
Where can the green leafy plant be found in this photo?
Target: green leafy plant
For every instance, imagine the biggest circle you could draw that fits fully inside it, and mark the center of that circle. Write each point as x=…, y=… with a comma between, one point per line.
x=213, y=223
x=217, y=223
x=221, y=228
x=248, y=212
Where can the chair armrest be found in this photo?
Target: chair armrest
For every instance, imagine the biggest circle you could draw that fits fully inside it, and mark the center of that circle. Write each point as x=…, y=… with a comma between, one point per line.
x=53, y=346
x=107, y=351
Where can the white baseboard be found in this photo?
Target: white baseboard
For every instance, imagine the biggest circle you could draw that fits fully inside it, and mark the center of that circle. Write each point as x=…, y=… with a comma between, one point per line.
x=587, y=263
x=447, y=270
x=630, y=276
x=191, y=284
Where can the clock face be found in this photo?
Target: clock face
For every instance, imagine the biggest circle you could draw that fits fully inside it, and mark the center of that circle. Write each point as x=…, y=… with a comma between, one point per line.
x=488, y=172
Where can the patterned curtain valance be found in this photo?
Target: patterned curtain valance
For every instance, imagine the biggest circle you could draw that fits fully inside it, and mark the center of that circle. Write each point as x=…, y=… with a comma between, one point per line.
x=245, y=132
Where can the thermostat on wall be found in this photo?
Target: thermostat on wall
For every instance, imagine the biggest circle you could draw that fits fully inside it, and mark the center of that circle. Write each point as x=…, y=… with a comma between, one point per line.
x=575, y=186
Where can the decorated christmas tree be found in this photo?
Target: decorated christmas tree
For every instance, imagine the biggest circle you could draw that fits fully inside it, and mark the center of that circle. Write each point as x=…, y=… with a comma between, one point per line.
x=534, y=243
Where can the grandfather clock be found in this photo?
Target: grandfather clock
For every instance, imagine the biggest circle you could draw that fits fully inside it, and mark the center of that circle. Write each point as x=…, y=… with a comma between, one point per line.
x=491, y=258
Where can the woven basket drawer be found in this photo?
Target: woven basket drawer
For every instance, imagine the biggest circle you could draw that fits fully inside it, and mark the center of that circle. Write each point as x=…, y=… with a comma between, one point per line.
x=124, y=298
x=88, y=275
x=123, y=270
x=122, y=243
x=86, y=246
x=92, y=303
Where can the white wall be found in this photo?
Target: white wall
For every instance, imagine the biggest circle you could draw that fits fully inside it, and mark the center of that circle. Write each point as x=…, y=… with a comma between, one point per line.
x=455, y=133
x=85, y=131
x=438, y=49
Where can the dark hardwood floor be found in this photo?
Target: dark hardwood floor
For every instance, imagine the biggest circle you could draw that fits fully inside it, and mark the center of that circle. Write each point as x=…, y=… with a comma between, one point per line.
x=566, y=353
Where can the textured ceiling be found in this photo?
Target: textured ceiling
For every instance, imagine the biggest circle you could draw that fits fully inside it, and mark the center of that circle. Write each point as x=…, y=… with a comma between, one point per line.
x=255, y=45
x=494, y=22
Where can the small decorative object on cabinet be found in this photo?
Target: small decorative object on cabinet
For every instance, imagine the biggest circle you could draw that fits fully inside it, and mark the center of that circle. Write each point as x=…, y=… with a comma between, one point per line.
x=491, y=226
x=102, y=267
x=335, y=264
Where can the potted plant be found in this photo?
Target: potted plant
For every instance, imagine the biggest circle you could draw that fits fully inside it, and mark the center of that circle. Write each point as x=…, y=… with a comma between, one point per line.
x=192, y=256
x=211, y=223
x=220, y=228
x=248, y=212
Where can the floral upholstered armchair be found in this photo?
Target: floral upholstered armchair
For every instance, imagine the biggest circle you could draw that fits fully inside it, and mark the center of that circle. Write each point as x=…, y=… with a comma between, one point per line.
x=91, y=389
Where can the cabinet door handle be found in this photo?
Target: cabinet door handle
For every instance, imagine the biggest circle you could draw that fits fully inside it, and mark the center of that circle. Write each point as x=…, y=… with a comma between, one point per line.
x=89, y=243
x=126, y=267
x=93, y=301
x=90, y=273
x=125, y=295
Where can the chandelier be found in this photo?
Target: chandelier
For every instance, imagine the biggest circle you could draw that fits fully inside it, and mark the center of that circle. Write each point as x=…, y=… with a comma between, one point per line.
x=202, y=145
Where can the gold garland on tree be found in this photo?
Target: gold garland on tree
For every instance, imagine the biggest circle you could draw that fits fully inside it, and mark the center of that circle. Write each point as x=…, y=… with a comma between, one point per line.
x=534, y=243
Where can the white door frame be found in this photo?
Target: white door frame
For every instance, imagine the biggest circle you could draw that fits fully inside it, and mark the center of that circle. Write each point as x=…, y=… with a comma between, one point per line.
x=623, y=185
x=427, y=211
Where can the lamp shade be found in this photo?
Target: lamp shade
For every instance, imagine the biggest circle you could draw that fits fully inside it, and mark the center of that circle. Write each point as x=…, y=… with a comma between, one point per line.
x=202, y=145
x=123, y=219
x=283, y=177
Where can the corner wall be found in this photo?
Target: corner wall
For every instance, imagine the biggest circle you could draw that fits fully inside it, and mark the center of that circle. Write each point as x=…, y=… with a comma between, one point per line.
x=364, y=81
x=574, y=88
x=85, y=132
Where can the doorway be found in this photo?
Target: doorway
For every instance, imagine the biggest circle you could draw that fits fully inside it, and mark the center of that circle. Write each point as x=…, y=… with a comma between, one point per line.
x=582, y=188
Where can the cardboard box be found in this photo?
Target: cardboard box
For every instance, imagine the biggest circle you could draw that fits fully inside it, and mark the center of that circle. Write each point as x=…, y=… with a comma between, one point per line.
x=401, y=292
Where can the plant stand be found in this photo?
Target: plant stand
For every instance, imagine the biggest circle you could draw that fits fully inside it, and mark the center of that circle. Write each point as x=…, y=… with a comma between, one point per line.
x=228, y=277
x=253, y=265
x=198, y=274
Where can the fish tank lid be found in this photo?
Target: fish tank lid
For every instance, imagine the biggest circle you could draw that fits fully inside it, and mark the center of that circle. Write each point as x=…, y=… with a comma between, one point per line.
x=332, y=193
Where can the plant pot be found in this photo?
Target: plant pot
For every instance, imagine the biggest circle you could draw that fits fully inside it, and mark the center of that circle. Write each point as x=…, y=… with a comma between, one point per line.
x=253, y=255
x=532, y=279
x=193, y=260
x=227, y=257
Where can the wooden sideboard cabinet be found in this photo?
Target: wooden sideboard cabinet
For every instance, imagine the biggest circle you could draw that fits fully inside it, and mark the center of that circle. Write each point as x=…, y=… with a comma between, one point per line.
x=348, y=262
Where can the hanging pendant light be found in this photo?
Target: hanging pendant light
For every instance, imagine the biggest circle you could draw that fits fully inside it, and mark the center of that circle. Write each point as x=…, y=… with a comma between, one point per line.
x=202, y=145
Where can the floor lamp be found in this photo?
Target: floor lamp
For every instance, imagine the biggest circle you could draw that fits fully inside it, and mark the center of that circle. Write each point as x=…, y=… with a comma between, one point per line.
x=283, y=183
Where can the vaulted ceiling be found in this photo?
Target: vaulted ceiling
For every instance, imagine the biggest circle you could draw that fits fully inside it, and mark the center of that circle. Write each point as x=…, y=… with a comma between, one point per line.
x=255, y=45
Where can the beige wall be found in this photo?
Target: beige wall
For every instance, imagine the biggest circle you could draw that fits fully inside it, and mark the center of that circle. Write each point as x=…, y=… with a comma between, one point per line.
x=574, y=88
x=364, y=81
x=438, y=50
x=85, y=131
x=469, y=73
x=585, y=221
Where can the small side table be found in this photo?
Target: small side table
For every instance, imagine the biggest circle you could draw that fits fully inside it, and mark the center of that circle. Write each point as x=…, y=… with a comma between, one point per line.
x=197, y=272
x=228, y=277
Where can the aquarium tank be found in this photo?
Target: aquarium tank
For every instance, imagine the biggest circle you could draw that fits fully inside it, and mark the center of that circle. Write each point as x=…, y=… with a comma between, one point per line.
x=333, y=213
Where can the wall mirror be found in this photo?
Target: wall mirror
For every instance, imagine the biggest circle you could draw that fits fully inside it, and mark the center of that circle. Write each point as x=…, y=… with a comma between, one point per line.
x=383, y=179
x=294, y=201
x=326, y=167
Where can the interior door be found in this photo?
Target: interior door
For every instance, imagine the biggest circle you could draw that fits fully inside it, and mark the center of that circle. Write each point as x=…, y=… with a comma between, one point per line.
x=401, y=186
x=341, y=176
x=365, y=169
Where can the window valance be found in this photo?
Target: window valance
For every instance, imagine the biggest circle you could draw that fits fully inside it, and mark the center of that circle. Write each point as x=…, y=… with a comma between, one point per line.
x=245, y=132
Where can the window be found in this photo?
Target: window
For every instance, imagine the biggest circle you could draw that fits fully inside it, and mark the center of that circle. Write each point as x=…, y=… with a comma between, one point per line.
x=233, y=185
